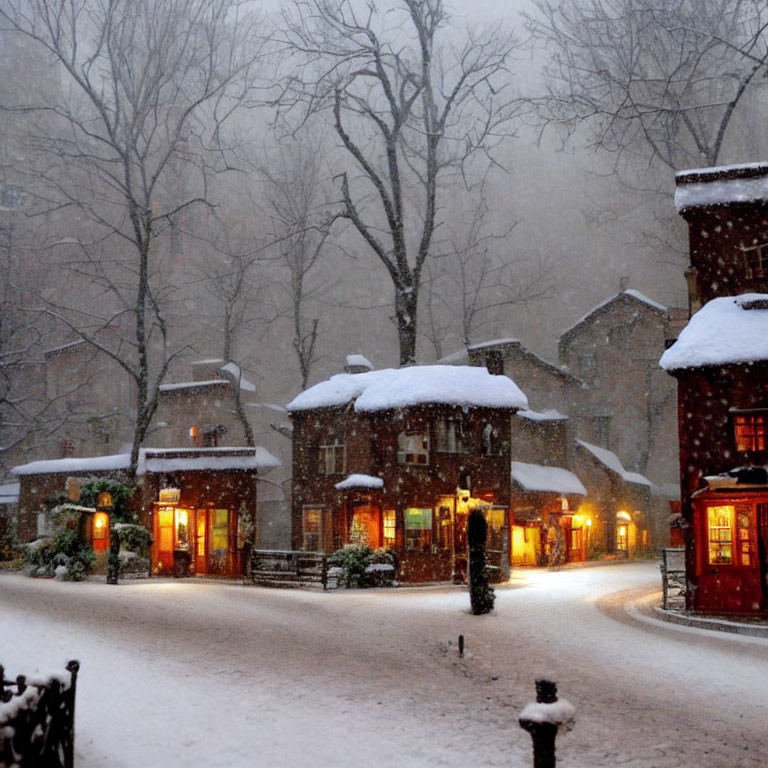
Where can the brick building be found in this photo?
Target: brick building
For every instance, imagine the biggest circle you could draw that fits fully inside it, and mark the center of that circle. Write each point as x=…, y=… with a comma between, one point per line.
x=398, y=458
x=196, y=502
x=720, y=361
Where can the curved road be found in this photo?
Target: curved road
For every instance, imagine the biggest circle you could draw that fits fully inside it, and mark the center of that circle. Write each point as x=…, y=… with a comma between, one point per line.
x=180, y=672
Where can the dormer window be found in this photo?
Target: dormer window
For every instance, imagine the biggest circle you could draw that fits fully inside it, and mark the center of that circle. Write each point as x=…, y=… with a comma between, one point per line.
x=750, y=429
x=332, y=457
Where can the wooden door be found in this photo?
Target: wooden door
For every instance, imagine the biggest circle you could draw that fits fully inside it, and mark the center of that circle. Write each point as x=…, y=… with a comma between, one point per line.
x=762, y=549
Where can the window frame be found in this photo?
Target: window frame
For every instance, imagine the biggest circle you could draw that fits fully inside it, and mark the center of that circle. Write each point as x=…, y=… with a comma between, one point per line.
x=756, y=432
x=403, y=453
x=336, y=449
x=320, y=527
x=450, y=435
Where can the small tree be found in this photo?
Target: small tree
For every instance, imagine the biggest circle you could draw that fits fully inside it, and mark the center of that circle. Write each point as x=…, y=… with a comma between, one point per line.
x=481, y=593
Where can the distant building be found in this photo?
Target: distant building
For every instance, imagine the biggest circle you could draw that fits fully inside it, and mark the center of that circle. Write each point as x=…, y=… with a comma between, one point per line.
x=627, y=404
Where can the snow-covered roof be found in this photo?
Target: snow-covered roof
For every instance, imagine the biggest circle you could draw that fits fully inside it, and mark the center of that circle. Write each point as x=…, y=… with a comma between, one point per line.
x=535, y=477
x=87, y=464
x=359, y=481
x=236, y=371
x=610, y=460
x=193, y=384
x=636, y=295
x=464, y=386
x=359, y=360
x=192, y=459
x=726, y=330
x=493, y=343
x=9, y=493
x=158, y=460
x=721, y=185
x=549, y=415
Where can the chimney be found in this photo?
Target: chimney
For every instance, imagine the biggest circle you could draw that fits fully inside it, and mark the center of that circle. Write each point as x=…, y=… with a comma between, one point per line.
x=357, y=364
x=623, y=284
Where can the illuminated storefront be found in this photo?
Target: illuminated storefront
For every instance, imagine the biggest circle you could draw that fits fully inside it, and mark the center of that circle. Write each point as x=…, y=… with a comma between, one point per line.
x=730, y=533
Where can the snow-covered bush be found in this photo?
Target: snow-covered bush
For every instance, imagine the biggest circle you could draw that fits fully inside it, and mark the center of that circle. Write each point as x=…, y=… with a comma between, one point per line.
x=365, y=567
x=65, y=555
x=135, y=541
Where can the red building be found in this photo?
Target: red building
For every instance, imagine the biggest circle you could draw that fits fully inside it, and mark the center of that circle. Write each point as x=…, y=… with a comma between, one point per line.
x=398, y=458
x=198, y=503
x=720, y=361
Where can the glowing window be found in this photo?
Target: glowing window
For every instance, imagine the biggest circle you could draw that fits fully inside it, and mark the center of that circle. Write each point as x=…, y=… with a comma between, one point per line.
x=312, y=529
x=220, y=531
x=388, y=524
x=750, y=431
x=418, y=529
x=720, y=534
x=182, y=529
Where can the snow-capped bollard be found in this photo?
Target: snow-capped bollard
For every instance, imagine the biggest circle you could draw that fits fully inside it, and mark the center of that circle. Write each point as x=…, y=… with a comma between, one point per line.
x=542, y=719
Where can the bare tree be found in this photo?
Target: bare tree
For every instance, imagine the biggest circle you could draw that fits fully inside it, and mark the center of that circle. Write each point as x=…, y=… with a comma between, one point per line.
x=298, y=211
x=487, y=279
x=407, y=107
x=147, y=86
x=654, y=79
x=236, y=279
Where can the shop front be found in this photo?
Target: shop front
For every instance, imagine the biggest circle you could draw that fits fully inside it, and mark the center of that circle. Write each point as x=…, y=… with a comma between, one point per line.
x=191, y=540
x=730, y=537
x=428, y=540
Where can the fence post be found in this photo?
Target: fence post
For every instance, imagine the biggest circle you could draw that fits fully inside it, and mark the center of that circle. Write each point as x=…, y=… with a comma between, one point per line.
x=542, y=720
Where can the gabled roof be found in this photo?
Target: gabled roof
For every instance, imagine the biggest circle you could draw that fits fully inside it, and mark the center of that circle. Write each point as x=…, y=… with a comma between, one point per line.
x=727, y=330
x=158, y=460
x=463, y=386
x=611, y=461
x=538, y=478
x=628, y=295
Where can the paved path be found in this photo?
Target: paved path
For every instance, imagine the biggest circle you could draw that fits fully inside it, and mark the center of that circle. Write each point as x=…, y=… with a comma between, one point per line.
x=177, y=673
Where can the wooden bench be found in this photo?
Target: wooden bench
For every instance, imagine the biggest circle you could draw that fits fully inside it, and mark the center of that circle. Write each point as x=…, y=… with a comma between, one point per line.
x=286, y=568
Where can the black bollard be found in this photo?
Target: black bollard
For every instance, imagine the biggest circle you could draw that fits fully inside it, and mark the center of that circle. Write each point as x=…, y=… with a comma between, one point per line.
x=543, y=719
x=461, y=645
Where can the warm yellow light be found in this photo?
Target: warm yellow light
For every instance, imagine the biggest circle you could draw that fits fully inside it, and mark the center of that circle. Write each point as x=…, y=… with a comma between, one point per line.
x=181, y=516
x=589, y=521
x=99, y=522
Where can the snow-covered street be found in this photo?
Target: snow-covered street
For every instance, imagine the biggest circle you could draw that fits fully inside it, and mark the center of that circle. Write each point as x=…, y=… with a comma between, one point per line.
x=182, y=672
